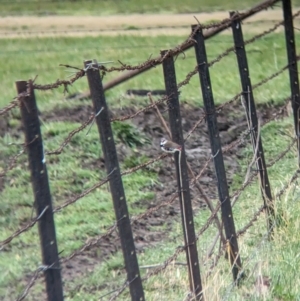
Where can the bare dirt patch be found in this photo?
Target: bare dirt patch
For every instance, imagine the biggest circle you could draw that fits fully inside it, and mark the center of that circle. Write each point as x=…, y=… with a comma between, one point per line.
x=231, y=122
x=147, y=231
x=144, y=25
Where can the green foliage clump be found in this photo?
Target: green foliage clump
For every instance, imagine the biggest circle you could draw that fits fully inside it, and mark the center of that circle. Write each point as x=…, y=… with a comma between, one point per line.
x=129, y=134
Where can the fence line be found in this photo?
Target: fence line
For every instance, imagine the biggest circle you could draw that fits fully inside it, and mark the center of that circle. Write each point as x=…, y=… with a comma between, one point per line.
x=179, y=250
x=86, y=123
x=129, y=171
x=94, y=70
x=241, y=232
x=81, y=73
x=188, y=43
x=212, y=30
x=99, y=184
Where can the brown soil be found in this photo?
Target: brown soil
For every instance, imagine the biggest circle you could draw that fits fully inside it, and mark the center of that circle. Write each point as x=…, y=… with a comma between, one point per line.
x=231, y=122
x=11, y=27
x=147, y=233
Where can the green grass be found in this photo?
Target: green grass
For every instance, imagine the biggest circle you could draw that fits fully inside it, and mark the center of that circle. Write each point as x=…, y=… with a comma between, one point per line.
x=23, y=59
x=71, y=172
x=93, y=7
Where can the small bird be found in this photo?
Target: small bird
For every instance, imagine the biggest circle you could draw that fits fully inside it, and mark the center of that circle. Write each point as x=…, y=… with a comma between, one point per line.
x=169, y=146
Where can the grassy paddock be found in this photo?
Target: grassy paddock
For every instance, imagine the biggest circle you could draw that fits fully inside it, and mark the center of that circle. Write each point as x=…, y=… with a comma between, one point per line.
x=93, y=7
x=278, y=259
x=26, y=58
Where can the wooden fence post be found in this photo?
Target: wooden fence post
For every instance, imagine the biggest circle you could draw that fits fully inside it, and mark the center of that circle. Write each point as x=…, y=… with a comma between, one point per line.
x=254, y=127
x=216, y=148
x=293, y=66
x=182, y=174
x=41, y=190
x=115, y=181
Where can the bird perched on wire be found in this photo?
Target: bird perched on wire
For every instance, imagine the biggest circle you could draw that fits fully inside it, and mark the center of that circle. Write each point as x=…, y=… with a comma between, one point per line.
x=169, y=146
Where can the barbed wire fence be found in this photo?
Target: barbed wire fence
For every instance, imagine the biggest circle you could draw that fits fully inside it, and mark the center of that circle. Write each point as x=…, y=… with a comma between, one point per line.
x=92, y=67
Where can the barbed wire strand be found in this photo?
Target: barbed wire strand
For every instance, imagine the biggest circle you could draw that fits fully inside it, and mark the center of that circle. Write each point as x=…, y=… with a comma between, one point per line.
x=12, y=163
x=288, y=184
x=236, y=195
x=239, y=233
x=59, y=150
x=173, y=257
x=22, y=230
x=152, y=62
x=95, y=241
x=201, y=119
x=111, y=229
x=210, y=64
x=29, y=285
x=218, y=109
x=127, y=172
x=178, y=250
x=80, y=74
x=9, y=107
